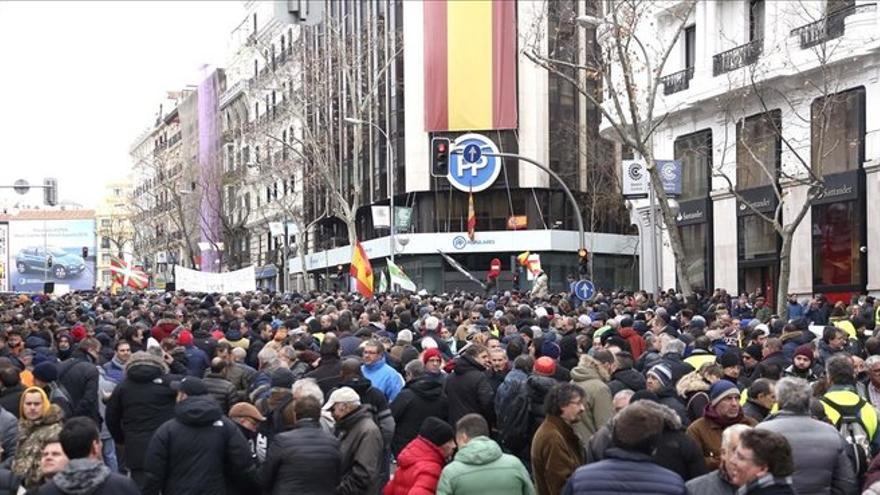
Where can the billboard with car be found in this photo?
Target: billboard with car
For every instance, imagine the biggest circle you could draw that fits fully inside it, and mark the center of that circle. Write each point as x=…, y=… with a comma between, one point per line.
x=61, y=251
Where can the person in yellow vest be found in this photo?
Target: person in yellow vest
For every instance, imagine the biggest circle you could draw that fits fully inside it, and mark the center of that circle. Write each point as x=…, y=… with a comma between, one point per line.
x=701, y=354
x=842, y=400
x=839, y=319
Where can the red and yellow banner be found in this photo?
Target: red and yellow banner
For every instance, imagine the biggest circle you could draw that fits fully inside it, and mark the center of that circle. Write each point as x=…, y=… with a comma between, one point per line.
x=472, y=218
x=470, y=65
x=361, y=272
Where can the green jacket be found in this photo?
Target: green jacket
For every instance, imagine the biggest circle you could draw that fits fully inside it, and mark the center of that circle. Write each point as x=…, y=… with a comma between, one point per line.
x=480, y=468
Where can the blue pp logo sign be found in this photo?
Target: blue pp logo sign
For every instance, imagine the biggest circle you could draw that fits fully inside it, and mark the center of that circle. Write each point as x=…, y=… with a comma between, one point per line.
x=459, y=242
x=470, y=170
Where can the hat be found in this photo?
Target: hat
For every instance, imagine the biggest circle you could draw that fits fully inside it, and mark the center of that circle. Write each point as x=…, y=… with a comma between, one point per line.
x=545, y=366
x=754, y=351
x=185, y=338
x=490, y=305
x=431, y=323
x=550, y=349
x=662, y=373
x=46, y=372
x=342, y=394
x=428, y=343
x=436, y=431
x=190, y=385
x=804, y=350
x=282, y=378
x=763, y=329
x=246, y=410
x=585, y=320
x=721, y=389
x=728, y=359
x=78, y=332
x=540, y=312
x=405, y=336
x=432, y=352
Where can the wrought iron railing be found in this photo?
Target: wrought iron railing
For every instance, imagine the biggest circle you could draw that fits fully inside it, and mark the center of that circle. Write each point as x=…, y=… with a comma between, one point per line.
x=677, y=81
x=735, y=58
x=829, y=27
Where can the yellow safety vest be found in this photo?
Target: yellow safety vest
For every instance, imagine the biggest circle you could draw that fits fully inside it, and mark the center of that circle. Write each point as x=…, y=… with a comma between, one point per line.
x=697, y=360
x=867, y=414
x=846, y=326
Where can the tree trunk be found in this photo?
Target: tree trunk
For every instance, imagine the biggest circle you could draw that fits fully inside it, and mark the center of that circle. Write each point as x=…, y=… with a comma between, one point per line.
x=784, y=274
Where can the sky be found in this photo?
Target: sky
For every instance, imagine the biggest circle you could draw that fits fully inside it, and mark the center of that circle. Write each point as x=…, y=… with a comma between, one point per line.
x=82, y=80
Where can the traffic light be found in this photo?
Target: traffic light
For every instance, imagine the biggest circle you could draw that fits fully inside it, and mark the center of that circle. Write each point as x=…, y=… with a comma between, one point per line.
x=49, y=261
x=50, y=192
x=583, y=263
x=85, y=252
x=439, y=157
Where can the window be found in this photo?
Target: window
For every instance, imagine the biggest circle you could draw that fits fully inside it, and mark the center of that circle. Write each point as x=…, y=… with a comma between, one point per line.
x=836, y=242
x=564, y=114
x=690, y=46
x=695, y=153
x=105, y=242
x=756, y=20
x=695, y=238
x=757, y=238
x=758, y=147
x=837, y=134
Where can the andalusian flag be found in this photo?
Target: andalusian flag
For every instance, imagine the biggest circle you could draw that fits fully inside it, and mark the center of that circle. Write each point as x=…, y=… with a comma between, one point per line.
x=470, y=65
x=472, y=218
x=361, y=272
x=399, y=277
x=383, y=282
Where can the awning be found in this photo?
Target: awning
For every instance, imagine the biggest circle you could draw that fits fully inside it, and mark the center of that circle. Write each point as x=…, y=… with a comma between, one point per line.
x=266, y=271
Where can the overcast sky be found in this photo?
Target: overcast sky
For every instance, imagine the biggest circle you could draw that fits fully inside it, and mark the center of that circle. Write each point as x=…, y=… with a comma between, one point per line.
x=81, y=80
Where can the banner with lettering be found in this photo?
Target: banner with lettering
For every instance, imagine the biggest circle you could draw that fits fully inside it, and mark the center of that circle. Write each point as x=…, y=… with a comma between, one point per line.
x=243, y=280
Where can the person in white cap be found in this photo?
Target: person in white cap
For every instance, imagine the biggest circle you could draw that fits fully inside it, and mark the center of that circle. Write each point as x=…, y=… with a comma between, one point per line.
x=360, y=441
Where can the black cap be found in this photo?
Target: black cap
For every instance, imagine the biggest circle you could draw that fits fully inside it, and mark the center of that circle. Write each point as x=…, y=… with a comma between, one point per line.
x=190, y=386
x=436, y=431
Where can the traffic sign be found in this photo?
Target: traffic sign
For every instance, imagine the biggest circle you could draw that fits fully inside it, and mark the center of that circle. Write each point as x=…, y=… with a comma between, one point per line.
x=583, y=290
x=478, y=175
x=21, y=186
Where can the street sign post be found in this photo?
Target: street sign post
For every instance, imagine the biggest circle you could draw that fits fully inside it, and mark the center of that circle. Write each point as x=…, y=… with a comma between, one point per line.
x=583, y=290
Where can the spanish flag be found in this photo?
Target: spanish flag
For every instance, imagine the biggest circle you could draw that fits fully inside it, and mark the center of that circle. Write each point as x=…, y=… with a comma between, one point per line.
x=472, y=218
x=470, y=65
x=361, y=272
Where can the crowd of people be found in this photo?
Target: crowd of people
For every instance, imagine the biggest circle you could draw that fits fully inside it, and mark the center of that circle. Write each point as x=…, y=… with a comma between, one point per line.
x=457, y=393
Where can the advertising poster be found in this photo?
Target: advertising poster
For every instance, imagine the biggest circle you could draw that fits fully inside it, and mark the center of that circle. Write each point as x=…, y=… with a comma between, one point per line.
x=4, y=257
x=51, y=251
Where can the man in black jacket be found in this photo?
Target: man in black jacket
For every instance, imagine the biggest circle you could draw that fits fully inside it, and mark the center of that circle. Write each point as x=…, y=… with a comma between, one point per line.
x=218, y=386
x=79, y=376
x=360, y=442
x=306, y=459
x=468, y=388
x=327, y=372
x=86, y=472
x=422, y=397
x=198, y=451
x=138, y=407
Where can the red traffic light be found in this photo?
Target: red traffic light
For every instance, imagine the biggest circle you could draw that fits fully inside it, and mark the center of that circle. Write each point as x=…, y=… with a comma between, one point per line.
x=441, y=147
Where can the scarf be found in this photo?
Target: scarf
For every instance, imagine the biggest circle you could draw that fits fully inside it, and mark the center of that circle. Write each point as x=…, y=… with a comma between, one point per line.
x=712, y=415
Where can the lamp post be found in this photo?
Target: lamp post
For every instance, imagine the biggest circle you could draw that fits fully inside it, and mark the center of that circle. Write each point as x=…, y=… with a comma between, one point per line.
x=390, y=168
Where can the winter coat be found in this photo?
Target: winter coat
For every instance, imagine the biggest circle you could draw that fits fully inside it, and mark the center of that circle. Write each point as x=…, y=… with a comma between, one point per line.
x=32, y=437
x=707, y=434
x=817, y=471
x=115, y=371
x=362, y=453
x=421, y=398
x=8, y=434
x=418, y=469
x=669, y=398
x=481, y=468
x=305, y=459
x=139, y=406
x=469, y=391
x=541, y=288
x=591, y=377
x=693, y=389
x=755, y=410
x=777, y=359
x=221, y=389
x=768, y=485
x=196, y=361
x=624, y=472
x=88, y=477
x=636, y=342
x=10, y=398
x=383, y=377
x=327, y=372
x=675, y=450
x=556, y=453
x=537, y=387
x=241, y=376
x=626, y=379
x=376, y=403
x=677, y=365
x=196, y=451
x=712, y=483
x=79, y=376
x=514, y=379
x=9, y=483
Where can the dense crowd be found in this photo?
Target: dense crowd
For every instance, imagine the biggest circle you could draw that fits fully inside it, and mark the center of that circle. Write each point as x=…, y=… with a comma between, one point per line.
x=499, y=393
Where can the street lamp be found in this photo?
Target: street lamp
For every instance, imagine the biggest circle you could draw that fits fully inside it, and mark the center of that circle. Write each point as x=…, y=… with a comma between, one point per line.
x=390, y=148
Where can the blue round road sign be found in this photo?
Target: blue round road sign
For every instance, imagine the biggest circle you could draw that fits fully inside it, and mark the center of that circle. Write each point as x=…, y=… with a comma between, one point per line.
x=470, y=169
x=583, y=290
x=472, y=153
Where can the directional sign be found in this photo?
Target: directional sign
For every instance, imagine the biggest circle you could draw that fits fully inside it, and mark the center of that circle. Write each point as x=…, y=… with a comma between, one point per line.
x=21, y=186
x=478, y=175
x=583, y=290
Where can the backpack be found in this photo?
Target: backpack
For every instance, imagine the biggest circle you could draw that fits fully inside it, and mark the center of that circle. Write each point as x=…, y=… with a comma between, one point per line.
x=514, y=420
x=854, y=431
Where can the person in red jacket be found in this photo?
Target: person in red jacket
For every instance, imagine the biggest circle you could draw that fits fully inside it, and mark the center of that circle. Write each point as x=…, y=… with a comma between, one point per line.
x=421, y=461
x=636, y=342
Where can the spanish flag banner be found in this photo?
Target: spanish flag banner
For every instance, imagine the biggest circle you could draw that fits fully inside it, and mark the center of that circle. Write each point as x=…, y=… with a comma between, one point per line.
x=472, y=218
x=470, y=65
x=361, y=272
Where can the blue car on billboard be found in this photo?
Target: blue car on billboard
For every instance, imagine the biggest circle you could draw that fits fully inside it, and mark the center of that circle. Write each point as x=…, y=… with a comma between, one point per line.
x=63, y=265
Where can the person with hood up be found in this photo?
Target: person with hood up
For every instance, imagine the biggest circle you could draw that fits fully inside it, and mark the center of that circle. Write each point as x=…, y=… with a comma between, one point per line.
x=138, y=407
x=421, y=461
x=85, y=473
x=659, y=381
x=468, y=388
x=693, y=388
x=591, y=376
x=360, y=443
x=636, y=342
x=480, y=467
x=625, y=377
x=379, y=372
x=420, y=399
x=39, y=423
x=198, y=451
x=723, y=411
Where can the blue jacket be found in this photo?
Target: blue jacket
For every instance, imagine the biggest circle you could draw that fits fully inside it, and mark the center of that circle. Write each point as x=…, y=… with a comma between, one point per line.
x=196, y=361
x=624, y=472
x=115, y=370
x=384, y=378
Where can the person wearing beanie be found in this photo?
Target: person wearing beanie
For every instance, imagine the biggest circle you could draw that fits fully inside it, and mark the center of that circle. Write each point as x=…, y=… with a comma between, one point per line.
x=591, y=376
x=659, y=380
x=731, y=365
x=722, y=411
x=45, y=376
x=421, y=461
x=556, y=449
x=196, y=359
x=803, y=364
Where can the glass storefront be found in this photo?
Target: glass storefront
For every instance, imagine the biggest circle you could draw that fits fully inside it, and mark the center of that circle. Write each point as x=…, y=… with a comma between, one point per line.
x=695, y=239
x=836, y=243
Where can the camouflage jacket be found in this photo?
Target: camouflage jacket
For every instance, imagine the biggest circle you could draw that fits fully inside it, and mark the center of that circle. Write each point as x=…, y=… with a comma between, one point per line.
x=32, y=437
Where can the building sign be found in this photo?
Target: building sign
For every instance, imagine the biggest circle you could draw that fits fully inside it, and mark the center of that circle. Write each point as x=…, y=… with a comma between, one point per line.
x=762, y=199
x=670, y=174
x=840, y=187
x=691, y=212
x=637, y=179
x=470, y=169
x=51, y=251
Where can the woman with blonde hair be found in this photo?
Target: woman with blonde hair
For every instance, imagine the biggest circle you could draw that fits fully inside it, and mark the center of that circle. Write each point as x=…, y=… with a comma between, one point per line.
x=39, y=424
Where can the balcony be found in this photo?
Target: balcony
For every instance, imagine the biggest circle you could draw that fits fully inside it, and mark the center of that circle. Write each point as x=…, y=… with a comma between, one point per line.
x=738, y=57
x=677, y=81
x=829, y=27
